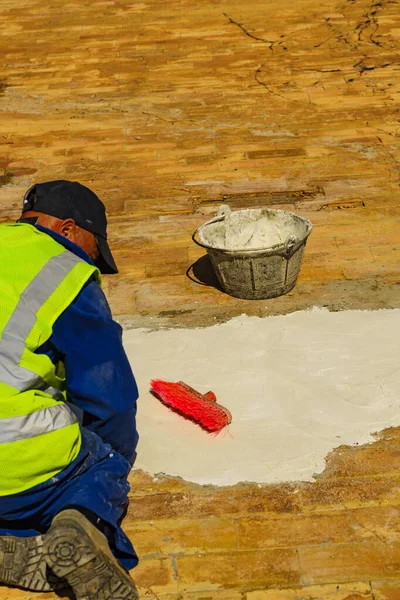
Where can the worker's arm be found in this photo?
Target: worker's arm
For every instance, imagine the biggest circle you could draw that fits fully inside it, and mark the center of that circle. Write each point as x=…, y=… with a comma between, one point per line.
x=99, y=378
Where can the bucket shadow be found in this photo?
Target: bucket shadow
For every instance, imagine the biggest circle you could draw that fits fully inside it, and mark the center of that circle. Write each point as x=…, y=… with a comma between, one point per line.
x=202, y=273
x=66, y=593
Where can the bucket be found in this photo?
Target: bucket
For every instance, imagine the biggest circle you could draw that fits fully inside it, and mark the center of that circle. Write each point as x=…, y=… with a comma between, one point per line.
x=256, y=253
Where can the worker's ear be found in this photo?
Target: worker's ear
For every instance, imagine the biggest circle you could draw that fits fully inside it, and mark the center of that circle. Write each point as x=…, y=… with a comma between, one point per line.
x=68, y=229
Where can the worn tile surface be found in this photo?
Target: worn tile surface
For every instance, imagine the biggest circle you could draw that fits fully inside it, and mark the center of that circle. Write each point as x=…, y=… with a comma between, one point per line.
x=167, y=109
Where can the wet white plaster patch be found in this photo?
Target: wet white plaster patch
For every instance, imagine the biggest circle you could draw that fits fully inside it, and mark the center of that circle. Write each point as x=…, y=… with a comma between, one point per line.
x=297, y=387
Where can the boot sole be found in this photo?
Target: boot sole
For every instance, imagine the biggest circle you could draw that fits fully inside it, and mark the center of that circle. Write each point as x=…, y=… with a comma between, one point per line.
x=23, y=565
x=76, y=551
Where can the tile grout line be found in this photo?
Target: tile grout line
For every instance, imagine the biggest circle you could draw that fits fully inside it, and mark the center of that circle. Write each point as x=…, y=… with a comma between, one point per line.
x=300, y=567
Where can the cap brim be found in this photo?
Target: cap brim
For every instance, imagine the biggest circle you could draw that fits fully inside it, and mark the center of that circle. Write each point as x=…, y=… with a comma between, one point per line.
x=105, y=262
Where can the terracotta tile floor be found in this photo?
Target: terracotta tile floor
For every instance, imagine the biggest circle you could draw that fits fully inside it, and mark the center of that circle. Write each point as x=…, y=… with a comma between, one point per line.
x=168, y=109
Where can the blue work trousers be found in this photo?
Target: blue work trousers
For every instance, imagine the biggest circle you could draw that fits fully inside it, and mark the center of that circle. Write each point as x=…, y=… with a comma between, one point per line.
x=95, y=482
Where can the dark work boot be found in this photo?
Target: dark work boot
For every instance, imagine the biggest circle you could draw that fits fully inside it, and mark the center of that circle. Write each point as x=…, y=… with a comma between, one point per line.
x=75, y=550
x=22, y=564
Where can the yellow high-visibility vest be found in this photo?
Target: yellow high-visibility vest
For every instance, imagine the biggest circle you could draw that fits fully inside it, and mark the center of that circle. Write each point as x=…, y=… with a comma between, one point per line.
x=39, y=433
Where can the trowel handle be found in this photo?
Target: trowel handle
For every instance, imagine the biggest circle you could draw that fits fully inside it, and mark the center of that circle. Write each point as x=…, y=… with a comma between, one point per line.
x=223, y=210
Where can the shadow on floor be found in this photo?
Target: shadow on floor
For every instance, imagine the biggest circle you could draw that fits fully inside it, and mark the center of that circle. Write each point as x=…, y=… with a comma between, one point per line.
x=202, y=273
x=65, y=593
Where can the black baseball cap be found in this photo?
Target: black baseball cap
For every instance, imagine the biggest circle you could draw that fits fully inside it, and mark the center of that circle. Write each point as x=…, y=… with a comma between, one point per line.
x=72, y=200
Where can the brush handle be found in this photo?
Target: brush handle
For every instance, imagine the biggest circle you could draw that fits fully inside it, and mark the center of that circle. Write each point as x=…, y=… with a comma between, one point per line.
x=209, y=397
x=191, y=390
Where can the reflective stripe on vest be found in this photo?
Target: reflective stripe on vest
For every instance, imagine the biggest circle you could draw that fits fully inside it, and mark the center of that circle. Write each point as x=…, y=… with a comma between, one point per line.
x=18, y=327
x=15, y=429
x=13, y=344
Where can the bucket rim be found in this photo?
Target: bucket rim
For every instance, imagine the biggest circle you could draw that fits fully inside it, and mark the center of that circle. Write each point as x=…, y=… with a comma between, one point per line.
x=281, y=247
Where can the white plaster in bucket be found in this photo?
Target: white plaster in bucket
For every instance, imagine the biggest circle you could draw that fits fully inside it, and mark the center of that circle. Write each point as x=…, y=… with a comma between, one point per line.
x=297, y=387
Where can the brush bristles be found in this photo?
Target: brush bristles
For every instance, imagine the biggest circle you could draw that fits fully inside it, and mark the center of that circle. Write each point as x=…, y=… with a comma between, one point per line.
x=209, y=415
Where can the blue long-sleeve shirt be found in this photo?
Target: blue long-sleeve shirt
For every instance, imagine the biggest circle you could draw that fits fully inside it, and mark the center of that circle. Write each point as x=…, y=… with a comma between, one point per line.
x=99, y=378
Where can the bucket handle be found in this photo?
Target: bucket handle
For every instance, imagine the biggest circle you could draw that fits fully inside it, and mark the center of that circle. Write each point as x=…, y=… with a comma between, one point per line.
x=196, y=241
x=290, y=242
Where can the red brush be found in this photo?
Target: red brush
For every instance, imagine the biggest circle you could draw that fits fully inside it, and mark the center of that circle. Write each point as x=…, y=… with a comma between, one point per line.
x=187, y=402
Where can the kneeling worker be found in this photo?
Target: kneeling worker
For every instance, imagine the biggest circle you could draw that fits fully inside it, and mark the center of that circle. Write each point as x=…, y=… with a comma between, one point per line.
x=67, y=402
